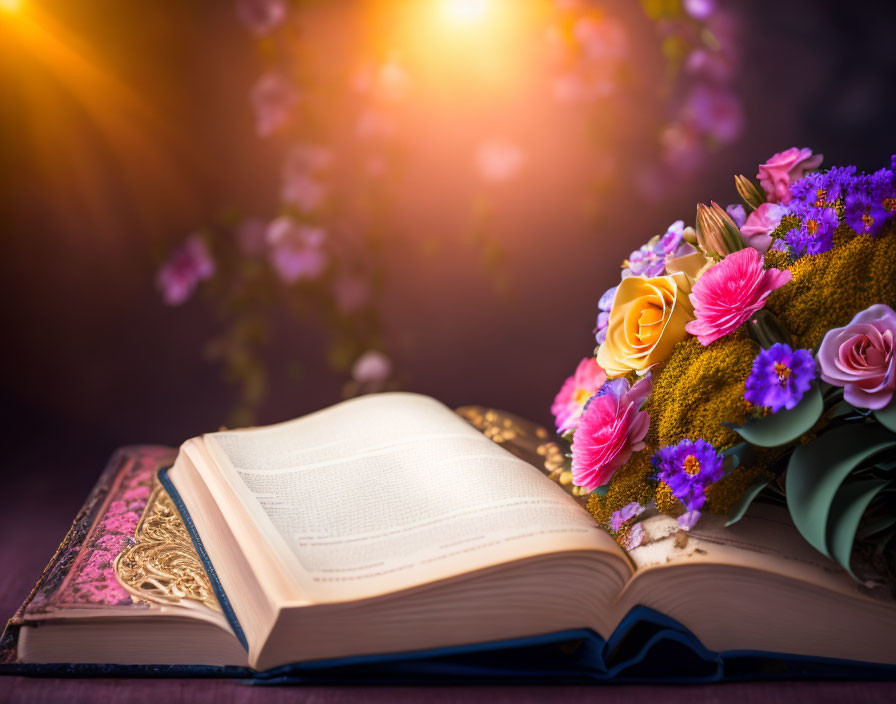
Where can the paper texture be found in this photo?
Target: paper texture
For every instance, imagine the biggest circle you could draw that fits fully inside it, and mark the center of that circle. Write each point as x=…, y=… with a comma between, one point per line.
x=394, y=489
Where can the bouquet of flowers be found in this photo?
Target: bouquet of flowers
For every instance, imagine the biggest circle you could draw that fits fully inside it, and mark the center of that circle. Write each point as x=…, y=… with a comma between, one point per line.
x=753, y=355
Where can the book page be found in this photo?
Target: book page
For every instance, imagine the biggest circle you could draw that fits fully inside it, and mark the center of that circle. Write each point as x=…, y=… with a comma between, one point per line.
x=391, y=491
x=764, y=539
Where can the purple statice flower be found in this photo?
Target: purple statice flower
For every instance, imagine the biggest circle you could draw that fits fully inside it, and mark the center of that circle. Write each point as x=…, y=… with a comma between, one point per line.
x=646, y=261
x=780, y=377
x=821, y=188
x=815, y=234
x=635, y=537
x=296, y=251
x=261, y=16
x=882, y=187
x=864, y=213
x=605, y=304
x=187, y=266
x=688, y=468
x=737, y=213
x=273, y=98
x=671, y=240
x=625, y=514
x=780, y=246
x=650, y=259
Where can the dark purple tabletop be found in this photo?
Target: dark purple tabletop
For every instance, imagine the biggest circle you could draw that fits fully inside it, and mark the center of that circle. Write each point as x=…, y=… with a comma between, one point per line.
x=38, y=509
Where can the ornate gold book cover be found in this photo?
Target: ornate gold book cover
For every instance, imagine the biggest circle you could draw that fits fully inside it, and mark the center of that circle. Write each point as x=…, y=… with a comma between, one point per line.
x=128, y=553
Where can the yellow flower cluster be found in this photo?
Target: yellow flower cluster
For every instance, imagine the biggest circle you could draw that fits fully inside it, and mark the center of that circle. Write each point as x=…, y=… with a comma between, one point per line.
x=828, y=289
x=697, y=388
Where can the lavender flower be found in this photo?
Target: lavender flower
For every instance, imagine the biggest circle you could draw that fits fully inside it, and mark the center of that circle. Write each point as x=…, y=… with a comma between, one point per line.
x=815, y=234
x=688, y=468
x=635, y=537
x=672, y=238
x=625, y=514
x=605, y=304
x=738, y=214
x=780, y=377
x=646, y=261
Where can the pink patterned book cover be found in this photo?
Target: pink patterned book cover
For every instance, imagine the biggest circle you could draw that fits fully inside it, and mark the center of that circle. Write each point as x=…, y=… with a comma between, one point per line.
x=81, y=574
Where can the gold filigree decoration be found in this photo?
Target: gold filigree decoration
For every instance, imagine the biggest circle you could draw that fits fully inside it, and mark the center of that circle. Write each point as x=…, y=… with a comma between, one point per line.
x=162, y=566
x=526, y=440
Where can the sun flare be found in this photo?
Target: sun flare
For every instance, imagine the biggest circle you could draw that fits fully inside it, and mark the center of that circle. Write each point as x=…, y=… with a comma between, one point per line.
x=464, y=11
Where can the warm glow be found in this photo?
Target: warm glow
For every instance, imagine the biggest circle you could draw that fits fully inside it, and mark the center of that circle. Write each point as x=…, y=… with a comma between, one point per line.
x=10, y=5
x=463, y=51
x=464, y=10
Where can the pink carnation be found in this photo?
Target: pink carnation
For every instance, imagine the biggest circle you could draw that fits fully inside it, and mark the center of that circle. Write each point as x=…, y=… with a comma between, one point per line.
x=776, y=175
x=609, y=431
x=576, y=390
x=757, y=230
x=730, y=292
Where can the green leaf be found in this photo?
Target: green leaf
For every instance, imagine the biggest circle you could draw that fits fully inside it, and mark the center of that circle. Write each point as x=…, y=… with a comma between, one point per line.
x=602, y=490
x=816, y=471
x=841, y=409
x=785, y=426
x=847, y=509
x=739, y=509
x=887, y=417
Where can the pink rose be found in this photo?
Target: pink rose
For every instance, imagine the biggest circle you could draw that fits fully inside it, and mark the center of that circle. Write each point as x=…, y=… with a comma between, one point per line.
x=730, y=292
x=611, y=428
x=860, y=358
x=776, y=175
x=576, y=390
x=757, y=230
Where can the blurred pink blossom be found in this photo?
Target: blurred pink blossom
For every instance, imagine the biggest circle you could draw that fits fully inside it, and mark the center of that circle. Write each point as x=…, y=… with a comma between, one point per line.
x=301, y=184
x=273, y=98
x=699, y=9
x=716, y=112
x=261, y=16
x=296, y=250
x=603, y=39
x=372, y=367
x=187, y=266
x=499, y=160
x=388, y=80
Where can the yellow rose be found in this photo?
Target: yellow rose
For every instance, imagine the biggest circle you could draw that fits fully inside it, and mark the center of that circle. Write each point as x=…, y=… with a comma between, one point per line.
x=646, y=321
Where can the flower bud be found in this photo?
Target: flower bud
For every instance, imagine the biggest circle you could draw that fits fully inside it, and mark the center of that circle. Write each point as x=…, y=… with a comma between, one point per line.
x=747, y=190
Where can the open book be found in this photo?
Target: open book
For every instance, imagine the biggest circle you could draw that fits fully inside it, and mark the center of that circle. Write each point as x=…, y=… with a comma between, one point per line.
x=388, y=524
